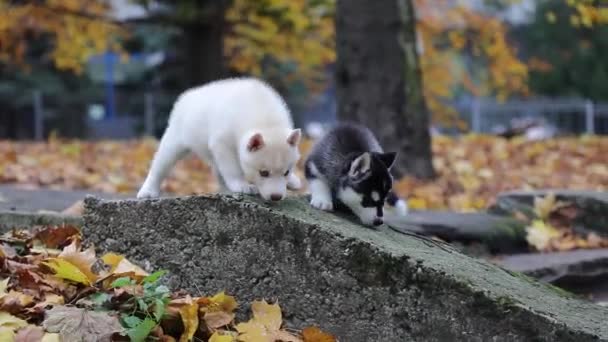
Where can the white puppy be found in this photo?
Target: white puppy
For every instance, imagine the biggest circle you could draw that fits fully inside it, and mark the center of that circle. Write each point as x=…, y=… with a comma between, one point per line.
x=242, y=127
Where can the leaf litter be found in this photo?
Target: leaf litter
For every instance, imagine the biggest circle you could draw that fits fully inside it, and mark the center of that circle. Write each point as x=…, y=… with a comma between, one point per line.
x=53, y=289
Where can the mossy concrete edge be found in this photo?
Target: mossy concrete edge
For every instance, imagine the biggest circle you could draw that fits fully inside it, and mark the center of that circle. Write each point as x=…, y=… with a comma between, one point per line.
x=362, y=284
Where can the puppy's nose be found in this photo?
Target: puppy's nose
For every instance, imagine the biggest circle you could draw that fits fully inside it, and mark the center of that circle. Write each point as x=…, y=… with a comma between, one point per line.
x=377, y=221
x=276, y=197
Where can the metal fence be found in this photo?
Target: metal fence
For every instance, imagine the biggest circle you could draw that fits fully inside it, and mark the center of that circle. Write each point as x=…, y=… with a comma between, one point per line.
x=573, y=116
x=141, y=112
x=133, y=113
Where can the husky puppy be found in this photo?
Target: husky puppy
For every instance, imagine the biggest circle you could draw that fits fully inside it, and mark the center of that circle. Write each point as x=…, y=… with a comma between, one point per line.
x=347, y=167
x=242, y=128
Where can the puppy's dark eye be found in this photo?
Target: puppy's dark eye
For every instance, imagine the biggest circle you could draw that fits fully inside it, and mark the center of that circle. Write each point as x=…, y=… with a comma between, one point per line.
x=264, y=173
x=286, y=173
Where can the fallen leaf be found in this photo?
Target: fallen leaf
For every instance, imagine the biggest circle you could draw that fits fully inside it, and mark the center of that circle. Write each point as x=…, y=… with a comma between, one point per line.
x=222, y=337
x=126, y=268
x=27, y=279
x=314, y=334
x=265, y=325
x=540, y=235
x=3, y=286
x=121, y=267
x=544, y=205
x=7, y=334
x=65, y=270
x=563, y=215
x=189, y=314
x=11, y=322
x=7, y=251
x=222, y=301
x=56, y=236
x=83, y=260
x=112, y=260
x=50, y=337
x=217, y=319
x=14, y=301
x=253, y=331
x=267, y=314
x=75, y=324
x=31, y=333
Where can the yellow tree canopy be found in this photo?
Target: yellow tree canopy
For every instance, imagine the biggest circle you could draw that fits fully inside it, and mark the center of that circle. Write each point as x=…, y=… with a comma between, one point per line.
x=588, y=13
x=446, y=32
x=299, y=31
x=79, y=29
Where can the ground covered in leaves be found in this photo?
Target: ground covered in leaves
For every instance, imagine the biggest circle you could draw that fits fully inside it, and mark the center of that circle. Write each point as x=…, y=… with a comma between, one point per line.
x=472, y=169
x=51, y=289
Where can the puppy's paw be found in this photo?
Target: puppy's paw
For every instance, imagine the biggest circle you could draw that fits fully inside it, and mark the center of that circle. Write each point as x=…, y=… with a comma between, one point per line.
x=242, y=187
x=294, y=182
x=399, y=209
x=148, y=192
x=322, y=203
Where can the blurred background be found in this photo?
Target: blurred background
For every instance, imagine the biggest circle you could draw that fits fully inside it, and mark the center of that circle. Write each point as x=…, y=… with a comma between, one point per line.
x=112, y=69
x=513, y=92
x=479, y=97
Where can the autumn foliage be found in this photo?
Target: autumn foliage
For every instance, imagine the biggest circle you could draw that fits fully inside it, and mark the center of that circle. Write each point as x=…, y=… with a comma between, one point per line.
x=78, y=30
x=51, y=289
x=472, y=169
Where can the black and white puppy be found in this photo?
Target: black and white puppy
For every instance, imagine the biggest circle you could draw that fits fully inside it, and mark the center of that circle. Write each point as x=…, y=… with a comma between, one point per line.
x=347, y=167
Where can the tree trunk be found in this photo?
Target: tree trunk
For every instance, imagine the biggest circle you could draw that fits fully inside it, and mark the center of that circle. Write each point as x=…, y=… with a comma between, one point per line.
x=204, y=44
x=379, y=81
x=204, y=53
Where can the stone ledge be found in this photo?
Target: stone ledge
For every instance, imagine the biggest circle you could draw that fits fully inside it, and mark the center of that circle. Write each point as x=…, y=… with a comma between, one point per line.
x=19, y=219
x=361, y=284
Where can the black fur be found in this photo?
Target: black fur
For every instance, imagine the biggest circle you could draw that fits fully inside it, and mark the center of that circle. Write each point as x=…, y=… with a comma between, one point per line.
x=332, y=157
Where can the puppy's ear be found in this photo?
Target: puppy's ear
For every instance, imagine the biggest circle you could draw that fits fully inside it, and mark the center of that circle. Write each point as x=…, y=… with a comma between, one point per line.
x=360, y=165
x=256, y=142
x=294, y=137
x=388, y=159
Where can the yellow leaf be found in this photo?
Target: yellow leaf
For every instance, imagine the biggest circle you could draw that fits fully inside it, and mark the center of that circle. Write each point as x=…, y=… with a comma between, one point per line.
x=83, y=260
x=7, y=334
x=265, y=325
x=65, y=270
x=218, y=337
x=544, y=206
x=540, y=234
x=48, y=337
x=121, y=267
x=15, y=300
x=267, y=314
x=224, y=302
x=112, y=260
x=11, y=322
x=253, y=331
x=3, y=286
x=189, y=314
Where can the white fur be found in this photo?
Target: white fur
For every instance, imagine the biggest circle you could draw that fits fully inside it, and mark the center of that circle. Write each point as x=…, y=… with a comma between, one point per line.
x=320, y=194
x=400, y=209
x=352, y=199
x=375, y=196
x=216, y=121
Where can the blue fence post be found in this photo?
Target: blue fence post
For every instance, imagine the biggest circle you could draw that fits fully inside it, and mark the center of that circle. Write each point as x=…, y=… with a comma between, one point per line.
x=38, y=116
x=109, y=71
x=589, y=117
